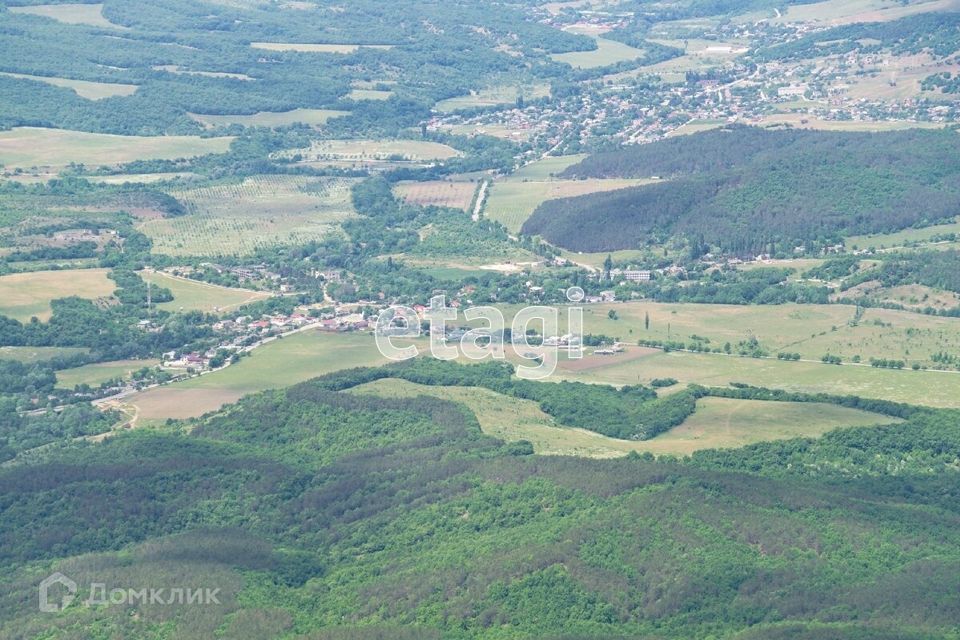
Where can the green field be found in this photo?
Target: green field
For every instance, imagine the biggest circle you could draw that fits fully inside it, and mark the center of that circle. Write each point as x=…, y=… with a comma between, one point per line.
x=262, y=211
x=279, y=364
x=493, y=96
x=717, y=423
x=26, y=295
x=546, y=168
x=901, y=237
x=191, y=295
x=33, y=146
x=369, y=94
x=608, y=52
x=89, y=14
x=30, y=355
x=513, y=200
x=270, y=118
x=83, y=88
x=96, y=374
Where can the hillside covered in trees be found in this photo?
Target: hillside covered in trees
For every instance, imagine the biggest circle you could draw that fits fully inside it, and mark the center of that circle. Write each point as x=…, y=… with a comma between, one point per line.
x=357, y=516
x=743, y=189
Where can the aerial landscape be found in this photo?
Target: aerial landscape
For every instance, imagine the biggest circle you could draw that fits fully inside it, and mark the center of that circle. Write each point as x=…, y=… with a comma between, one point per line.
x=507, y=319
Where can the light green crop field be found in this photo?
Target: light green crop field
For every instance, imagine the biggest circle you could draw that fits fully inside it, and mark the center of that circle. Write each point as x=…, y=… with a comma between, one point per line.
x=805, y=121
x=811, y=330
x=316, y=48
x=24, y=295
x=493, y=96
x=717, y=423
x=96, y=374
x=191, y=295
x=546, y=168
x=279, y=364
x=900, y=237
x=33, y=146
x=270, y=118
x=929, y=388
x=83, y=88
x=607, y=52
x=89, y=14
x=512, y=201
x=172, y=68
x=262, y=211
x=31, y=355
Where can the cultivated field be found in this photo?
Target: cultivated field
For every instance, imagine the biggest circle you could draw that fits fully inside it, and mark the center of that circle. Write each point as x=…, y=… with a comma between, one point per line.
x=30, y=355
x=27, y=147
x=96, y=374
x=24, y=295
x=545, y=168
x=83, y=88
x=804, y=121
x=514, y=199
x=316, y=48
x=270, y=118
x=442, y=193
x=717, y=423
x=492, y=96
x=89, y=14
x=140, y=178
x=279, y=364
x=235, y=219
x=191, y=295
x=608, y=52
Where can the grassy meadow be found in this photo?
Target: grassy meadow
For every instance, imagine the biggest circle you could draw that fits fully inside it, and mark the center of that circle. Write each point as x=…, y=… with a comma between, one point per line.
x=69, y=13
x=191, y=295
x=26, y=295
x=513, y=200
x=493, y=96
x=278, y=364
x=607, y=52
x=717, y=423
x=96, y=374
x=31, y=355
x=83, y=88
x=25, y=147
x=270, y=118
x=235, y=219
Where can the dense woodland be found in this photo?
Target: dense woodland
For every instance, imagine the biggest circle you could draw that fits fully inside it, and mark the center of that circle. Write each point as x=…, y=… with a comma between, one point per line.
x=355, y=510
x=744, y=189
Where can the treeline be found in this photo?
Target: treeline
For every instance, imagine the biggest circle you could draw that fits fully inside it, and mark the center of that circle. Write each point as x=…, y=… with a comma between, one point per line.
x=745, y=190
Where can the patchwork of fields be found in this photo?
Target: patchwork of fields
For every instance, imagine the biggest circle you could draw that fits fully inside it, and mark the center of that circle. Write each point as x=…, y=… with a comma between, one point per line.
x=261, y=211
x=191, y=295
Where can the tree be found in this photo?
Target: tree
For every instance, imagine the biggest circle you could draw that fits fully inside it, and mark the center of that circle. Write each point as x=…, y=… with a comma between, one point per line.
x=646, y=321
x=608, y=266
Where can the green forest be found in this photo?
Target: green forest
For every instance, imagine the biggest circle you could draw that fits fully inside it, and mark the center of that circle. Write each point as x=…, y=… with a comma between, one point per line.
x=374, y=518
x=742, y=188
